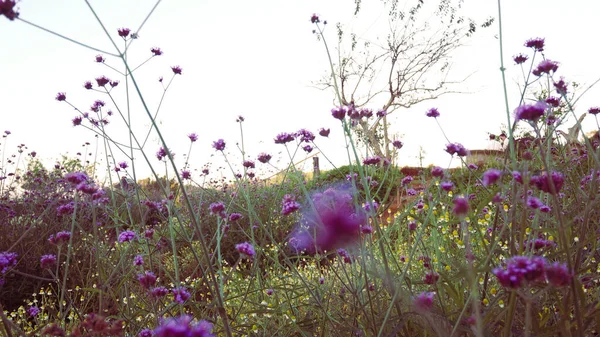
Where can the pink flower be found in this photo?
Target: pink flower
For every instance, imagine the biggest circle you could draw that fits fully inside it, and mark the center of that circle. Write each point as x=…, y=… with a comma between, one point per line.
x=156, y=51
x=519, y=59
x=537, y=44
x=424, y=301
x=124, y=32
x=176, y=70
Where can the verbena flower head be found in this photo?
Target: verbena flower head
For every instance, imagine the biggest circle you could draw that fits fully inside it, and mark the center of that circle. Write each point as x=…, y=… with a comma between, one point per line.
x=561, y=87
x=520, y=270
x=60, y=237
x=372, y=160
x=305, y=136
x=147, y=279
x=456, y=148
x=339, y=112
x=534, y=202
x=156, y=51
x=7, y=8
x=520, y=58
x=193, y=137
x=124, y=32
x=217, y=208
x=558, y=274
x=246, y=249
x=183, y=326
x=264, y=157
x=289, y=205
x=424, y=301
x=180, y=295
x=219, y=145
x=397, y=144
x=235, y=217
x=248, y=164
x=102, y=81
x=33, y=311
x=324, y=132
x=47, y=261
x=76, y=178
x=553, y=101
x=127, y=236
x=138, y=260
x=77, y=120
x=537, y=44
x=334, y=222
x=176, y=70
x=7, y=260
x=447, y=186
x=545, y=67
x=159, y=292
x=284, y=138
x=437, y=172
x=61, y=96
x=314, y=18
x=146, y=333
x=531, y=112
x=461, y=206
x=307, y=148
x=491, y=176
x=545, y=182
x=594, y=110
x=433, y=112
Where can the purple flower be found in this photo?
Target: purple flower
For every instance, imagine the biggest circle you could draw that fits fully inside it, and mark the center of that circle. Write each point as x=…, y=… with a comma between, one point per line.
x=193, y=137
x=397, y=144
x=534, y=202
x=345, y=255
x=61, y=96
x=156, y=51
x=561, y=87
x=217, y=208
x=33, y=311
x=437, y=171
x=305, y=136
x=314, y=18
x=162, y=153
x=234, y=217
x=381, y=113
x=520, y=269
x=219, y=145
x=549, y=184
x=456, y=148
x=138, y=260
x=76, y=178
x=545, y=67
x=65, y=209
x=537, y=44
x=47, y=261
x=147, y=279
x=284, y=138
x=553, y=101
x=491, y=176
x=366, y=229
x=246, y=249
x=594, y=110
x=461, y=206
x=289, y=205
x=472, y=166
x=520, y=58
x=530, y=112
x=159, y=292
x=406, y=180
x=7, y=8
x=433, y=112
x=424, y=301
x=124, y=32
x=558, y=274
x=102, y=81
x=248, y=164
x=372, y=160
x=307, y=148
x=333, y=222
x=431, y=277
x=7, y=260
x=146, y=333
x=60, y=237
x=176, y=70
x=77, y=120
x=270, y=292
x=127, y=236
x=324, y=132
x=339, y=113
x=447, y=186
x=180, y=295
x=264, y=157
x=123, y=165
x=183, y=326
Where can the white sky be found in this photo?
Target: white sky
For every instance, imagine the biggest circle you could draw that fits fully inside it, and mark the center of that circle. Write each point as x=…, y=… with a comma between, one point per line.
x=258, y=59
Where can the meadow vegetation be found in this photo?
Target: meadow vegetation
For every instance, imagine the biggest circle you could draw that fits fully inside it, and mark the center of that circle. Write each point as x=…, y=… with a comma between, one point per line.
x=506, y=246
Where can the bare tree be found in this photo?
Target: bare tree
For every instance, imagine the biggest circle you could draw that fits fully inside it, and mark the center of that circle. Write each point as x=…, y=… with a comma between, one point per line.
x=409, y=66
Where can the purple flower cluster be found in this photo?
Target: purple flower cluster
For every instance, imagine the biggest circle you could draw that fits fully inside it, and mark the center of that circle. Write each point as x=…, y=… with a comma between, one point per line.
x=521, y=270
x=217, y=208
x=127, y=236
x=424, y=301
x=219, y=145
x=531, y=112
x=264, y=158
x=180, y=295
x=60, y=237
x=372, y=160
x=545, y=67
x=456, y=148
x=335, y=221
x=246, y=249
x=284, y=138
x=324, y=132
x=339, y=112
x=433, y=112
x=548, y=183
x=183, y=326
x=47, y=261
x=147, y=279
x=289, y=205
x=7, y=8
x=7, y=260
x=491, y=176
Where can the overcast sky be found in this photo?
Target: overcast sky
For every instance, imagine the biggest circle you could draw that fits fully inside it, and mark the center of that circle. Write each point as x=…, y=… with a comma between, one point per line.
x=259, y=59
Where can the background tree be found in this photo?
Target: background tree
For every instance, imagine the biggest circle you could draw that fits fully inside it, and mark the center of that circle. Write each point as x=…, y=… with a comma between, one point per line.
x=411, y=64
